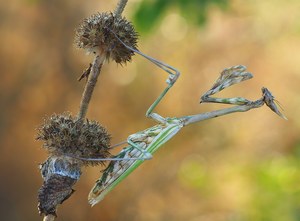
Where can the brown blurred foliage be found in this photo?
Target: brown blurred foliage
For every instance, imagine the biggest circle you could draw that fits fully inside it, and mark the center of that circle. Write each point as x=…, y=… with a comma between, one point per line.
x=238, y=167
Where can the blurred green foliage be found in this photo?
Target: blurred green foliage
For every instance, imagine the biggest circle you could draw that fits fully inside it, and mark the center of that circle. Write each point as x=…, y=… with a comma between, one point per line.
x=150, y=12
x=276, y=190
x=271, y=184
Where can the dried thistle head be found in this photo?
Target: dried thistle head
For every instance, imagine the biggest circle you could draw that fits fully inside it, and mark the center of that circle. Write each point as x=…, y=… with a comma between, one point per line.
x=67, y=140
x=63, y=135
x=100, y=32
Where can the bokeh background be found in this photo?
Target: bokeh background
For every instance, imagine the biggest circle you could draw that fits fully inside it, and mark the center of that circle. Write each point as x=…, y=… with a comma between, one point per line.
x=244, y=166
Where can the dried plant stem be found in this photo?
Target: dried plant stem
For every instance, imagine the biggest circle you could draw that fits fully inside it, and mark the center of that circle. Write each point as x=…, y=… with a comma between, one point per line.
x=90, y=85
x=92, y=73
x=120, y=7
x=95, y=72
x=49, y=217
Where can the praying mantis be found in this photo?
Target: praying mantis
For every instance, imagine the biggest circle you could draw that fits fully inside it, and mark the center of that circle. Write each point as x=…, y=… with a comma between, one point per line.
x=142, y=145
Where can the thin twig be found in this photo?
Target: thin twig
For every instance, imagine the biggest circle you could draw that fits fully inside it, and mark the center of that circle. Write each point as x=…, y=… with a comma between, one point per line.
x=95, y=72
x=90, y=85
x=120, y=7
x=49, y=217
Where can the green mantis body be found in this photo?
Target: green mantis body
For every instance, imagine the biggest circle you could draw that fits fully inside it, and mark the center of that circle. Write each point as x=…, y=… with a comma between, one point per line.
x=142, y=145
x=148, y=140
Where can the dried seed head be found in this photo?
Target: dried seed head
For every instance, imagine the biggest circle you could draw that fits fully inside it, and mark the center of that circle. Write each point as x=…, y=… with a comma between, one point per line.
x=67, y=139
x=59, y=174
x=100, y=32
x=63, y=135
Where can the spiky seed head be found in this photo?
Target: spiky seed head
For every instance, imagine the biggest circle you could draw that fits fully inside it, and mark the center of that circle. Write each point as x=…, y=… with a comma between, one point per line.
x=64, y=135
x=98, y=33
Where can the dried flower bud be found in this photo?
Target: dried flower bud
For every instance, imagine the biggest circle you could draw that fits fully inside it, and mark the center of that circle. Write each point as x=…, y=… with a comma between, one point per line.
x=100, y=32
x=59, y=174
x=65, y=136
x=67, y=140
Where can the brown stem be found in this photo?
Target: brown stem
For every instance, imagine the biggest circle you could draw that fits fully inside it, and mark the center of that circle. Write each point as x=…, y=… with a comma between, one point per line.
x=90, y=85
x=49, y=218
x=95, y=71
x=120, y=7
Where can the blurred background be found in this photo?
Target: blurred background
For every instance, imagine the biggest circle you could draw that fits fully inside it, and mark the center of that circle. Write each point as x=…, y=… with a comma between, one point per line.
x=240, y=167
